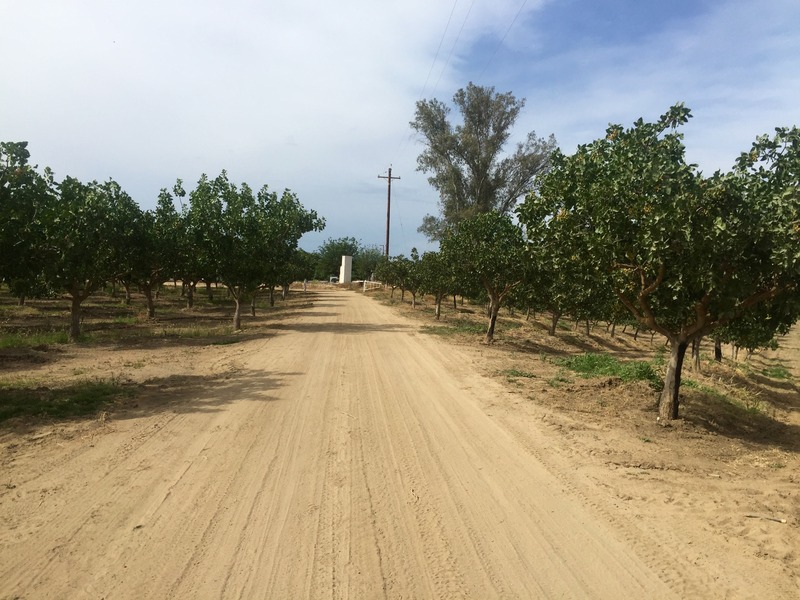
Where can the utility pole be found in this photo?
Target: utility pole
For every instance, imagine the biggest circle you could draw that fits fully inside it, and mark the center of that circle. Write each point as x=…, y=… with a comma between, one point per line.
x=388, y=205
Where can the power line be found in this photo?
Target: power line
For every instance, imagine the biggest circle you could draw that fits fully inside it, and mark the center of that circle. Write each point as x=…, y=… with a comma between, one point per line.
x=438, y=49
x=453, y=47
x=406, y=138
x=503, y=39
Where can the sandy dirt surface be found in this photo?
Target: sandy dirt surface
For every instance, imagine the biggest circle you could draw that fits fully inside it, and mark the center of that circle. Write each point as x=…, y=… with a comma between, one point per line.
x=348, y=455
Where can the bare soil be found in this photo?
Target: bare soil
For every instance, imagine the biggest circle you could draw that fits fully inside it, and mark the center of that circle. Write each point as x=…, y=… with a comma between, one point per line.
x=342, y=448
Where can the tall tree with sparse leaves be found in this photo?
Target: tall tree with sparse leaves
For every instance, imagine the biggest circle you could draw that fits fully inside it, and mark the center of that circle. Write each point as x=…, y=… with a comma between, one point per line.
x=466, y=160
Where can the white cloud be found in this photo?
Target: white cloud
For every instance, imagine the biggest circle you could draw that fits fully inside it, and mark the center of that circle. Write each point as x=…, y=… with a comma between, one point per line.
x=734, y=66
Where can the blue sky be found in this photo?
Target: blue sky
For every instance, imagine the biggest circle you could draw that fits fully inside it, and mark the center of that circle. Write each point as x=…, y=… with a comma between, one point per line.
x=317, y=96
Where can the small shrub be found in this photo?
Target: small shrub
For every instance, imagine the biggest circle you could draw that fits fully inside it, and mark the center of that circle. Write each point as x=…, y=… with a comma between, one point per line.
x=558, y=379
x=517, y=373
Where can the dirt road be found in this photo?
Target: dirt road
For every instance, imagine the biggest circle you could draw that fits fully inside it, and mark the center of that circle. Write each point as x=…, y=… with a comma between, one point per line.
x=347, y=456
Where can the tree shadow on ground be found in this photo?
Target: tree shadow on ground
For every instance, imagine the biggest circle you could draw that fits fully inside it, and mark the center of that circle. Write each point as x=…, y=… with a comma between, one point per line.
x=176, y=394
x=782, y=394
x=200, y=393
x=751, y=425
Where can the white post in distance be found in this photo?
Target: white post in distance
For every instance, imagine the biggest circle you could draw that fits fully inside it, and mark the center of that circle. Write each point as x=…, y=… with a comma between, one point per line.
x=346, y=270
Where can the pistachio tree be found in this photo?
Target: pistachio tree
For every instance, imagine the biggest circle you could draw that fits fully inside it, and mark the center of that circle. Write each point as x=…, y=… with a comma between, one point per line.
x=25, y=199
x=684, y=253
x=81, y=237
x=488, y=252
x=437, y=278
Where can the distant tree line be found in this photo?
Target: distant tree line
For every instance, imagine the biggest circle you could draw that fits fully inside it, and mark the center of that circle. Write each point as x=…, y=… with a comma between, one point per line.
x=70, y=237
x=330, y=253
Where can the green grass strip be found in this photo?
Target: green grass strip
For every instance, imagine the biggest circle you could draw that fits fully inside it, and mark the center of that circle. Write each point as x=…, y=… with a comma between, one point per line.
x=603, y=365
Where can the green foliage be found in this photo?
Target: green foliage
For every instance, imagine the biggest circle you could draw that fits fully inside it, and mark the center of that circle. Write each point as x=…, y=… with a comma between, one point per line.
x=330, y=255
x=436, y=275
x=685, y=254
x=246, y=240
x=486, y=253
x=366, y=261
x=605, y=365
x=299, y=267
x=329, y=258
x=514, y=373
x=465, y=159
x=74, y=237
x=25, y=199
x=558, y=379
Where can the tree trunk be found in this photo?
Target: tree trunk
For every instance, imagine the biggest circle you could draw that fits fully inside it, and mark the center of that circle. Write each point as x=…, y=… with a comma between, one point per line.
x=127, y=286
x=613, y=330
x=285, y=291
x=272, y=295
x=696, y=354
x=717, y=350
x=209, y=291
x=455, y=302
x=237, y=313
x=636, y=333
x=528, y=314
x=75, y=317
x=588, y=328
x=438, y=310
x=554, y=322
x=190, y=295
x=669, y=400
x=148, y=295
x=402, y=294
x=413, y=299
x=495, y=304
x=253, y=304
x=21, y=300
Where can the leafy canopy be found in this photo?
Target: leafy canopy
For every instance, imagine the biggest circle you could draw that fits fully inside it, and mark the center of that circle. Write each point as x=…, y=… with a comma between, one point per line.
x=466, y=160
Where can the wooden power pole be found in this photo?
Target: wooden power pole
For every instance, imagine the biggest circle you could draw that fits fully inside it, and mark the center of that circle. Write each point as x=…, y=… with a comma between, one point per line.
x=388, y=179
